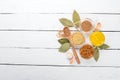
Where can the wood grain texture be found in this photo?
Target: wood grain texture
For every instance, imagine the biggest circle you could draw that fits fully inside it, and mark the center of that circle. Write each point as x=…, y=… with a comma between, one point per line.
x=45, y=39
x=29, y=47
x=54, y=58
x=51, y=21
x=63, y=6
x=53, y=73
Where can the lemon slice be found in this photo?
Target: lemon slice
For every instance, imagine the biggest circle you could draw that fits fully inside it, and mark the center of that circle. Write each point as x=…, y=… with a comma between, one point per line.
x=77, y=38
x=97, y=38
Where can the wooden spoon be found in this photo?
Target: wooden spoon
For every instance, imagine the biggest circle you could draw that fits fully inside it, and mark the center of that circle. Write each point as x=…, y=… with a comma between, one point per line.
x=67, y=33
x=98, y=26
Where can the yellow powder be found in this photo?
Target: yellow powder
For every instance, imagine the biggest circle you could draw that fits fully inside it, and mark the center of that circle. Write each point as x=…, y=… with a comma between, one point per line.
x=77, y=38
x=97, y=38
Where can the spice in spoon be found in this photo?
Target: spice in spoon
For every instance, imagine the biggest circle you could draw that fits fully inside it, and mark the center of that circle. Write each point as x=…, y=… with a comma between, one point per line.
x=66, y=31
x=67, y=34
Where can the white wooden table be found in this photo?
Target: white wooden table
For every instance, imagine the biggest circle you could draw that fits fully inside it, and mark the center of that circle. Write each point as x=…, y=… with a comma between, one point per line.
x=28, y=42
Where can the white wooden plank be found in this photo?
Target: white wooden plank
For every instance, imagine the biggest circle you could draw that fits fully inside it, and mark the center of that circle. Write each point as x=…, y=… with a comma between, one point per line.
x=44, y=39
x=51, y=21
x=55, y=73
x=46, y=6
x=53, y=57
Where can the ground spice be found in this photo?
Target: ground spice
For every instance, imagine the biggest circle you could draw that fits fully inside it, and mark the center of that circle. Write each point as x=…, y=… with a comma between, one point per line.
x=97, y=38
x=77, y=38
x=66, y=31
x=86, y=51
x=86, y=26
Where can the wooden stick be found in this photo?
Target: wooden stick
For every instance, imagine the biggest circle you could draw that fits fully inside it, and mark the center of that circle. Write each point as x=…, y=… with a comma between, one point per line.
x=67, y=33
x=98, y=26
x=75, y=53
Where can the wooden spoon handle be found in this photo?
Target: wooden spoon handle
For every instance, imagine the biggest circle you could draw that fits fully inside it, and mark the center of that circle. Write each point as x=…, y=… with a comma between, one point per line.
x=75, y=54
x=98, y=26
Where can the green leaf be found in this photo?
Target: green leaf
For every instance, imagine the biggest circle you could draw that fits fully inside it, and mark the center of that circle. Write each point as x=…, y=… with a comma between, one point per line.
x=65, y=47
x=104, y=46
x=96, y=54
x=76, y=18
x=63, y=40
x=66, y=22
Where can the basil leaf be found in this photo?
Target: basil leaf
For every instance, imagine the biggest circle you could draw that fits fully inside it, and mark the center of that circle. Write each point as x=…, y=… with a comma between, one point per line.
x=66, y=22
x=63, y=40
x=104, y=46
x=96, y=54
x=65, y=47
x=76, y=18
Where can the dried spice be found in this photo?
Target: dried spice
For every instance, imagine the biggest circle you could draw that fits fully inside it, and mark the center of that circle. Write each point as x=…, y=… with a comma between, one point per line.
x=77, y=38
x=63, y=40
x=69, y=40
x=104, y=46
x=70, y=57
x=96, y=54
x=76, y=19
x=66, y=22
x=66, y=31
x=65, y=47
x=86, y=51
x=97, y=38
x=86, y=26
